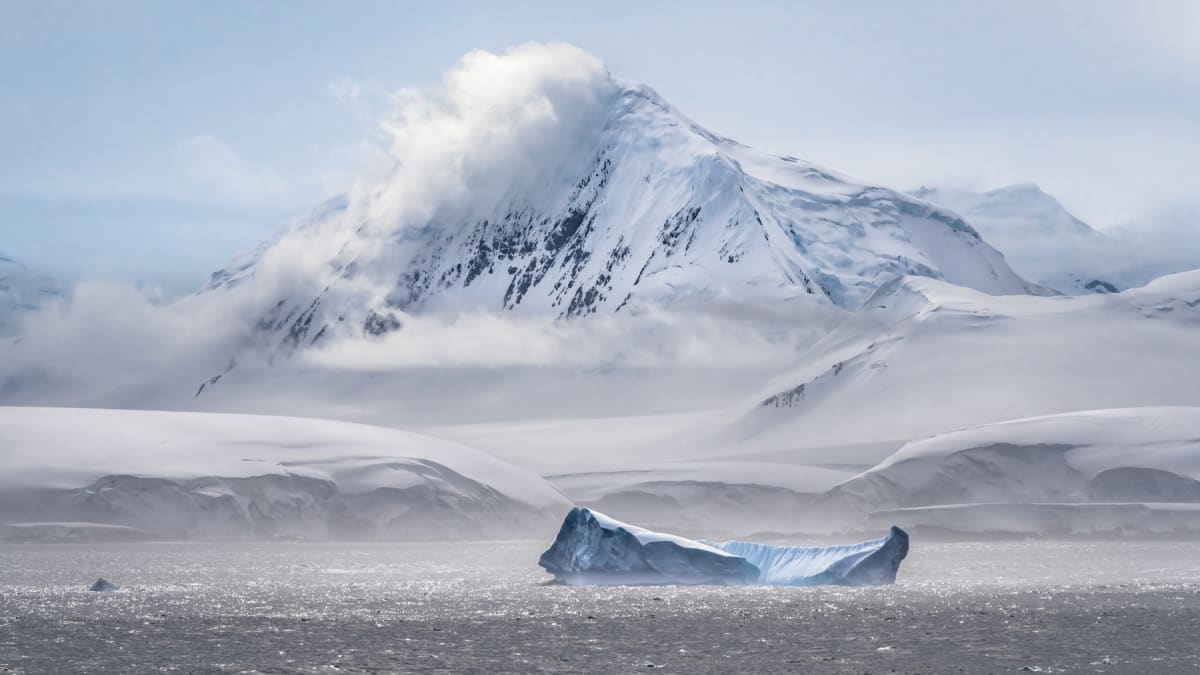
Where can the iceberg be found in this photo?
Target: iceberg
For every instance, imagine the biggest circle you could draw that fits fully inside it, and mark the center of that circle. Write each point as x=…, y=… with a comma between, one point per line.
x=594, y=549
x=103, y=585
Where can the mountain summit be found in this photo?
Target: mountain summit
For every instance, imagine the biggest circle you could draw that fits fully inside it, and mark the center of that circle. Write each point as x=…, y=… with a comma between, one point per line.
x=586, y=195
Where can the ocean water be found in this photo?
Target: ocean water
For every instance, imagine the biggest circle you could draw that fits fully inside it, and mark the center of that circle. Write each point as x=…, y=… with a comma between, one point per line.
x=993, y=607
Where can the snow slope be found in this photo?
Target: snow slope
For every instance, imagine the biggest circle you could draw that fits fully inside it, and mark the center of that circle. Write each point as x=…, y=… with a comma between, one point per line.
x=946, y=357
x=219, y=476
x=21, y=291
x=1096, y=470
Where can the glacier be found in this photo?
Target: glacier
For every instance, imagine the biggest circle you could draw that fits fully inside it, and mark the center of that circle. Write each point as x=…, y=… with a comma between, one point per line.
x=594, y=549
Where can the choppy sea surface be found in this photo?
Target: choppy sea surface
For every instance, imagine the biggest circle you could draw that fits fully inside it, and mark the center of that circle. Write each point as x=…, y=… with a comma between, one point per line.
x=995, y=607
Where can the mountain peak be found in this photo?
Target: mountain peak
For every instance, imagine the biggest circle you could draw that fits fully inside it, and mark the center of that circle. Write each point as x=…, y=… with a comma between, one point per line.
x=591, y=195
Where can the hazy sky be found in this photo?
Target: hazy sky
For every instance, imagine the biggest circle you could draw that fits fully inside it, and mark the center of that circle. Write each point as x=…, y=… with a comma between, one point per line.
x=152, y=141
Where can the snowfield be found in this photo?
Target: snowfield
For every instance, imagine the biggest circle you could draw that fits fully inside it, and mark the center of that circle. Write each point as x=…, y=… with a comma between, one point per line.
x=217, y=476
x=1132, y=469
x=946, y=357
x=705, y=498
x=938, y=357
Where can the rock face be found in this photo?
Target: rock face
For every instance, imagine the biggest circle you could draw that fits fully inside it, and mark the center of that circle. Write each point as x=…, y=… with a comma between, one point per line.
x=592, y=548
x=648, y=207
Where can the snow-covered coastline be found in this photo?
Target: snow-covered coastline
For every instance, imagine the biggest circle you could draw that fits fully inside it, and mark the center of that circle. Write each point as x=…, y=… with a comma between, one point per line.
x=229, y=477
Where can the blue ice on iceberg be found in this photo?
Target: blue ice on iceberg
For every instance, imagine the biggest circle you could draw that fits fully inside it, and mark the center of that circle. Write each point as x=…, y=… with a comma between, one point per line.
x=592, y=548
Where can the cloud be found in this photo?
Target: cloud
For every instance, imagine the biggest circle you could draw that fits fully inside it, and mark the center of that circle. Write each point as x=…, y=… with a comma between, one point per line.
x=345, y=89
x=1160, y=36
x=110, y=345
x=494, y=122
x=495, y=127
x=709, y=336
x=1163, y=242
x=113, y=345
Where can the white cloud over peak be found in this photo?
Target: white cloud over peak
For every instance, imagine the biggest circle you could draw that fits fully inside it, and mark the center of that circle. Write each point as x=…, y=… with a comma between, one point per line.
x=492, y=120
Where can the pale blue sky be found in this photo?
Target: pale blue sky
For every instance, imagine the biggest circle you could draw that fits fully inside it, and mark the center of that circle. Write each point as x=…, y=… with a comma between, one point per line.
x=150, y=141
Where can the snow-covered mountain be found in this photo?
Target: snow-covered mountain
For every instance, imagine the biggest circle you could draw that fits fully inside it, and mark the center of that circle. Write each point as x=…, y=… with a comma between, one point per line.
x=1043, y=241
x=648, y=207
x=21, y=291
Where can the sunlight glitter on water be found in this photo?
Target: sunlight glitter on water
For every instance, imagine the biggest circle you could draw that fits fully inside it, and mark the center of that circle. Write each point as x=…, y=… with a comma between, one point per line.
x=455, y=606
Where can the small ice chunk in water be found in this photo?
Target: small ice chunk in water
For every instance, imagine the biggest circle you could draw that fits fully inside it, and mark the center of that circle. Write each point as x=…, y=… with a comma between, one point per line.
x=103, y=585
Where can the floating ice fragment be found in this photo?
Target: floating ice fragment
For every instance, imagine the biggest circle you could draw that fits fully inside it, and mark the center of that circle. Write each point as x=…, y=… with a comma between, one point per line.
x=592, y=548
x=102, y=585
